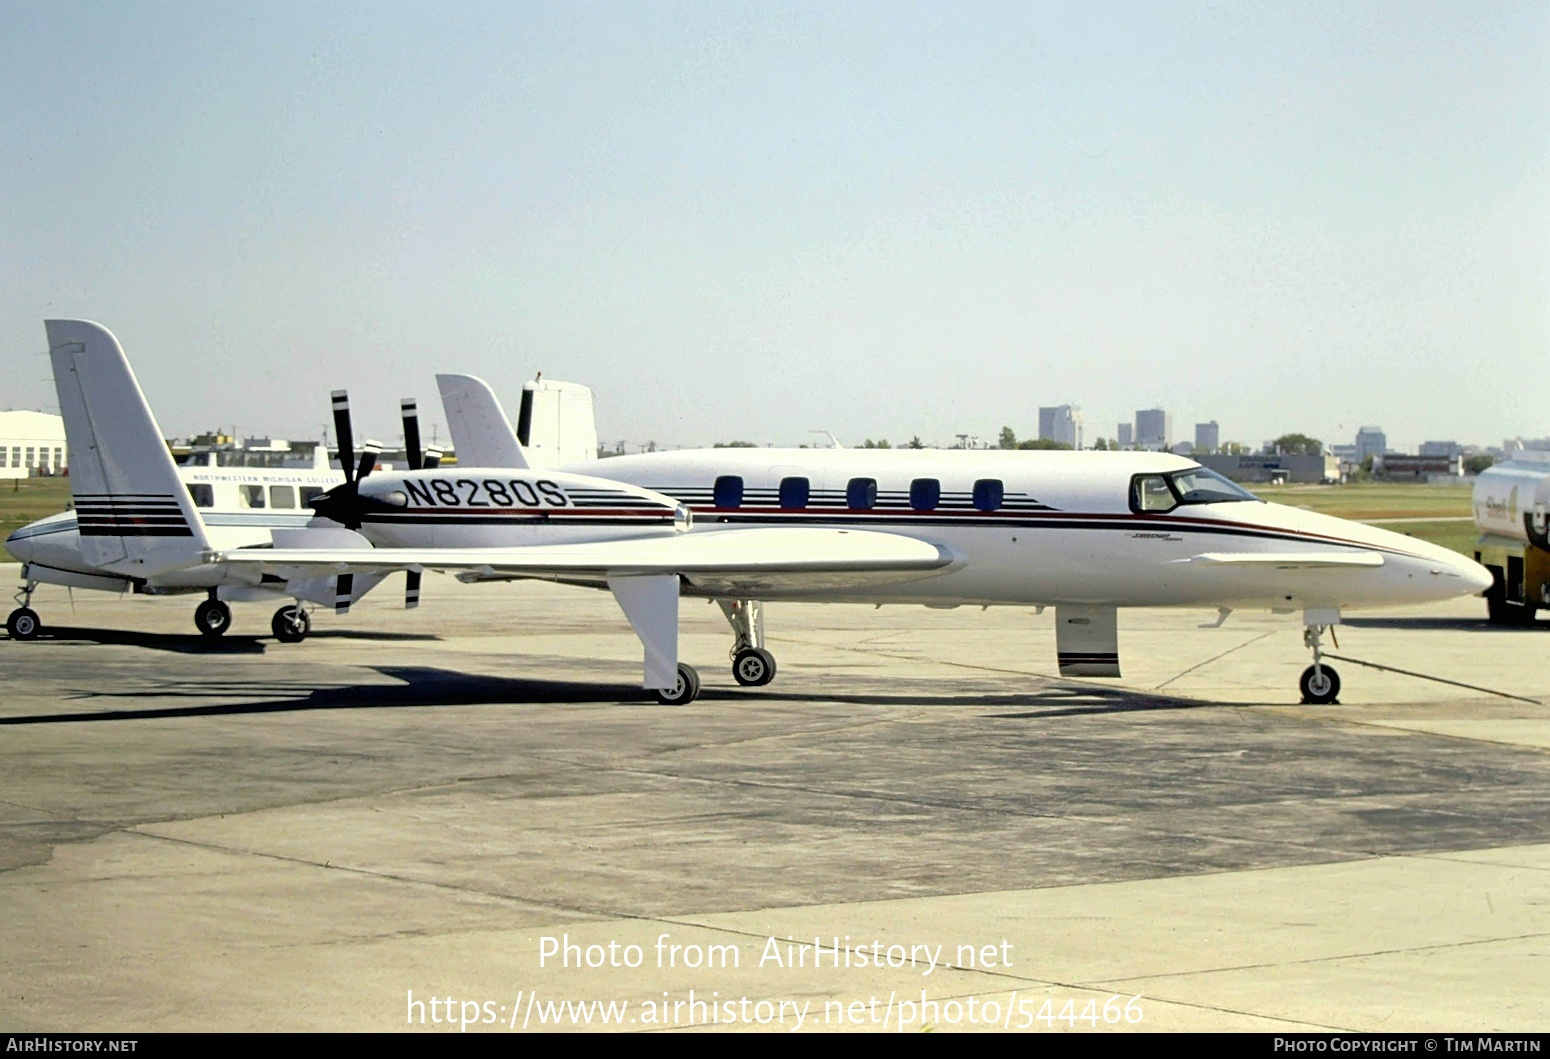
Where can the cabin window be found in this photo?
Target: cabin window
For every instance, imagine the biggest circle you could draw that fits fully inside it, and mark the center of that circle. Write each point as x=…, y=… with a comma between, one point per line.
x=1150, y=493
x=251, y=495
x=925, y=494
x=793, y=493
x=861, y=494
x=309, y=493
x=729, y=491
x=987, y=494
x=283, y=496
x=1204, y=486
x=202, y=495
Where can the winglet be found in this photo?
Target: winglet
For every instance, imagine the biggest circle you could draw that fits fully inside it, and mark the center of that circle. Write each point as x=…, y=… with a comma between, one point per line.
x=134, y=513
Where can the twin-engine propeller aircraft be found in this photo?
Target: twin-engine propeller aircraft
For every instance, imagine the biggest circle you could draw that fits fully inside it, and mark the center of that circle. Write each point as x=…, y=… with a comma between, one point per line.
x=1085, y=532
x=135, y=512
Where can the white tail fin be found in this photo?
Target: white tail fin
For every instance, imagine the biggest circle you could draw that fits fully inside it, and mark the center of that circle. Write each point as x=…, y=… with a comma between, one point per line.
x=134, y=514
x=481, y=433
x=557, y=424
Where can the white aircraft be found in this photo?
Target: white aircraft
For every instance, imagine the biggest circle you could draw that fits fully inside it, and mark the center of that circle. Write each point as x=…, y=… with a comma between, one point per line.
x=1085, y=532
x=237, y=507
x=137, y=522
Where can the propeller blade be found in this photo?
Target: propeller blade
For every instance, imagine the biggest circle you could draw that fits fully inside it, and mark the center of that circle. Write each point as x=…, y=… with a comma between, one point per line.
x=369, y=453
x=343, y=434
x=432, y=459
x=344, y=588
x=411, y=414
x=412, y=590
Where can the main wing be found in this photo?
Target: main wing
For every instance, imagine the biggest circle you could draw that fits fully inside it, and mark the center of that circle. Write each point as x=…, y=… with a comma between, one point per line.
x=740, y=562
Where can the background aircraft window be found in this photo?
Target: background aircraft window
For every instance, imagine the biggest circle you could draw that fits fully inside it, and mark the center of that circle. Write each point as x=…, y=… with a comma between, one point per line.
x=1150, y=492
x=729, y=491
x=861, y=494
x=282, y=496
x=310, y=493
x=925, y=494
x=987, y=494
x=793, y=492
x=203, y=495
x=252, y=495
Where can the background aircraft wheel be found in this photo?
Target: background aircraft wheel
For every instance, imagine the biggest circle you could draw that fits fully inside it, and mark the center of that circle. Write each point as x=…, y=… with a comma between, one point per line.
x=684, y=690
x=212, y=617
x=1319, y=685
x=291, y=625
x=23, y=624
x=753, y=667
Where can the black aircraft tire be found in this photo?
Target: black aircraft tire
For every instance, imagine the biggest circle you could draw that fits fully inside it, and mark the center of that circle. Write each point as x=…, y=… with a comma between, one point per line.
x=684, y=691
x=23, y=624
x=753, y=667
x=1320, y=685
x=290, y=625
x=212, y=618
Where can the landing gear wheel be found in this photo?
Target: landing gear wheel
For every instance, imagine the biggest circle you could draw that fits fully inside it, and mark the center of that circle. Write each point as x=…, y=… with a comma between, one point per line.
x=1320, y=684
x=753, y=667
x=23, y=624
x=212, y=618
x=291, y=625
x=684, y=690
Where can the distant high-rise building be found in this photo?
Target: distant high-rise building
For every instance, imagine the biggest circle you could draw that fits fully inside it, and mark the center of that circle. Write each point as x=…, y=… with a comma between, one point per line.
x=1154, y=429
x=1062, y=424
x=1370, y=441
x=1127, y=435
x=1208, y=436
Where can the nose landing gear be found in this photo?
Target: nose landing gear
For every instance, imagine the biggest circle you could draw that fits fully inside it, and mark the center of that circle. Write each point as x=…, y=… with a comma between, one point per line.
x=1320, y=684
x=23, y=622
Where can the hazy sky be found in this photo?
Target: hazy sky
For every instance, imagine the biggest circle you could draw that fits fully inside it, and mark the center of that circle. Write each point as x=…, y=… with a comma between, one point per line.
x=748, y=220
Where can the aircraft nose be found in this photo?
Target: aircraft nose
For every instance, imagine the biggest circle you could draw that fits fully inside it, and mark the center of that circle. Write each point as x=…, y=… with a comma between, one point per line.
x=19, y=546
x=1473, y=574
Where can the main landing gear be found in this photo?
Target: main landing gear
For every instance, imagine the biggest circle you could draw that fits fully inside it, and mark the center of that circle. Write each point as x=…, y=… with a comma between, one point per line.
x=23, y=623
x=1320, y=684
x=291, y=624
x=212, y=617
x=752, y=665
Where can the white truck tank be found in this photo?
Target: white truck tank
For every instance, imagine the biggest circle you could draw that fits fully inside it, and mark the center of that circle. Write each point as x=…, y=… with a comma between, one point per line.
x=1512, y=500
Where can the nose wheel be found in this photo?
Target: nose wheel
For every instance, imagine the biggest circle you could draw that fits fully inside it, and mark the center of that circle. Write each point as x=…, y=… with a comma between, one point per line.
x=23, y=622
x=1319, y=683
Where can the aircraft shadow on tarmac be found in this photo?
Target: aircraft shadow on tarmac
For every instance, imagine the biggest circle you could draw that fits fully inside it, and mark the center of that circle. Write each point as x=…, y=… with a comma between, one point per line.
x=194, y=644
x=424, y=686
x=1479, y=624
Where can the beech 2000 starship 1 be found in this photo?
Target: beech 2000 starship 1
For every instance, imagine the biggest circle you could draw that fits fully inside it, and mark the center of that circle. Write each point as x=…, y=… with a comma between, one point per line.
x=1085, y=532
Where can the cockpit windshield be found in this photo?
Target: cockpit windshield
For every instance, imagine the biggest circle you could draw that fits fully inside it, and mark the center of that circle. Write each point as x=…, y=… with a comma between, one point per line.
x=1202, y=486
